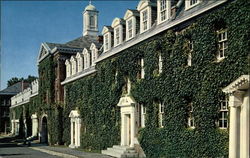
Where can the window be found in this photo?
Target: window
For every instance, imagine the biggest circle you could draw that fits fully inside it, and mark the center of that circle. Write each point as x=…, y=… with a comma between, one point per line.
x=92, y=21
x=193, y=2
x=222, y=44
x=143, y=115
x=117, y=36
x=161, y=113
x=145, y=20
x=130, y=33
x=223, y=116
x=106, y=41
x=190, y=115
x=141, y=73
x=160, y=64
x=189, y=59
x=163, y=10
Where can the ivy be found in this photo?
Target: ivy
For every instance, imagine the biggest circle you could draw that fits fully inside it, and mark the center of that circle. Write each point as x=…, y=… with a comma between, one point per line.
x=96, y=96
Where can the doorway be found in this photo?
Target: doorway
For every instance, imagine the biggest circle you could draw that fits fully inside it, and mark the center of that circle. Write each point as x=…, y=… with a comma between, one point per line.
x=44, y=133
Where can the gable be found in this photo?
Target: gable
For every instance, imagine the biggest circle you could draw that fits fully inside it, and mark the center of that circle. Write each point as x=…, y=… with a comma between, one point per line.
x=43, y=52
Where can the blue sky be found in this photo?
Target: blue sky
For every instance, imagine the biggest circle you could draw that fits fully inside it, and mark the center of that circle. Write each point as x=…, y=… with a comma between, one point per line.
x=26, y=24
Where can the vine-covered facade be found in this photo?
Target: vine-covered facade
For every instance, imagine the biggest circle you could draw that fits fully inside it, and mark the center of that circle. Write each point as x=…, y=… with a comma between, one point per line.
x=170, y=85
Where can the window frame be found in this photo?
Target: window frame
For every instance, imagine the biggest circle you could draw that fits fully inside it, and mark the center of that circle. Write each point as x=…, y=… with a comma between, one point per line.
x=145, y=20
x=222, y=37
x=189, y=5
x=130, y=30
x=161, y=114
x=191, y=122
x=224, y=110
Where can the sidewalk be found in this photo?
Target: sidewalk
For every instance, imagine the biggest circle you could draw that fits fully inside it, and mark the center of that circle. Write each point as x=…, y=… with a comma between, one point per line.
x=66, y=152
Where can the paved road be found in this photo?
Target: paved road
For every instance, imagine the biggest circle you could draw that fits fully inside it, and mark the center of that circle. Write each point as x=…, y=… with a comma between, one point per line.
x=12, y=150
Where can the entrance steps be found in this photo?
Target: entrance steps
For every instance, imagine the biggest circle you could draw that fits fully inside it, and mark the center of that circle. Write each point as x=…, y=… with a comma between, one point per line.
x=121, y=152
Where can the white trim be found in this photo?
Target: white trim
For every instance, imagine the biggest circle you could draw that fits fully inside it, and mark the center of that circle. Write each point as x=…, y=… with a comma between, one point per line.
x=160, y=28
x=79, y=76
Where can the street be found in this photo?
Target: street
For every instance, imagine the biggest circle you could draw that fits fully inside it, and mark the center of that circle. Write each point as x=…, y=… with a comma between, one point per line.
x=11, y=150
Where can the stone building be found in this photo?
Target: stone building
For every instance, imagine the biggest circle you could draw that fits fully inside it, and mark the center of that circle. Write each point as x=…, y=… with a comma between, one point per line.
x=158, y=82
x=5, y=100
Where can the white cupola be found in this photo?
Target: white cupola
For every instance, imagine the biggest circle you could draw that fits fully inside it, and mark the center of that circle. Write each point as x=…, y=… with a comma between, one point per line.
x=90, y=21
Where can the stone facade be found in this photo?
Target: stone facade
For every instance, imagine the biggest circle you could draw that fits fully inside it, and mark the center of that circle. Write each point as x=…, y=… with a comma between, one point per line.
x=80, y=58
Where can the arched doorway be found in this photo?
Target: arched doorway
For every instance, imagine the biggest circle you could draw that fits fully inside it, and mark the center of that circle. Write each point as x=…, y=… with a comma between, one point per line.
x=44, y=131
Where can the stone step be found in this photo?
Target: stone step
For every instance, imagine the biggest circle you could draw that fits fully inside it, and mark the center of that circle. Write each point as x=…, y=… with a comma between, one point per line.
x=123, y=147
x=112, y=153
x=116, y=150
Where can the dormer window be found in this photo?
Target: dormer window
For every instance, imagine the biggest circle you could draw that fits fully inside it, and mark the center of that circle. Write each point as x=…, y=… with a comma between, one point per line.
x=107, y=33
x=106, y=42
x=130, y=28
x=117, y=36
x=164, y=10
x=132, y=18
x=191, y=3
x=145, y=20
x=148, y=12
x=222, y=44
x=118, y=25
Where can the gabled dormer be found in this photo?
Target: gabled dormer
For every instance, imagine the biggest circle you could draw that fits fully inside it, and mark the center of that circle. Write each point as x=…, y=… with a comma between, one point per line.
x=94, y=53
x=163, y=10
x=107, y=33
x=118, y=26
x=68, y=68
x=79, y=58
x=148, y=14
x=73, y=65
x=86, y=57
x=191, y=3
x=132, y=20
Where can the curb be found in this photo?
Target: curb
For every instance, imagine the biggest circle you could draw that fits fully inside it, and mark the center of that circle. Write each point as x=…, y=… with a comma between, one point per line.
x=54, y=153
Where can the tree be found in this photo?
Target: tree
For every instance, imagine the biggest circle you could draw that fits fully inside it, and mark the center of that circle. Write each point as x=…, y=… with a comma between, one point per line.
x=14, y=80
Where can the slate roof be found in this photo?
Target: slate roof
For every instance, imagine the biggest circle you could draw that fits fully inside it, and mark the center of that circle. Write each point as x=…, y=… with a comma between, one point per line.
x=12, y=90
x=81, y=42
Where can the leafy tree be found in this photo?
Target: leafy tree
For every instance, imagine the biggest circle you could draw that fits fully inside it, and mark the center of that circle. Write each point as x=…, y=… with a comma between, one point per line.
x=14, y=80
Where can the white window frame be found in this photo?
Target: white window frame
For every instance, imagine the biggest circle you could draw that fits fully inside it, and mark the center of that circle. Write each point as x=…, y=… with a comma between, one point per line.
x=143, y=115
x=106, y=42
x=142, y=71
x=164, y=10
x=160, y=63
x=130, y=28
x=117, y=36
x=222, y=36
x=145, y=20
x=190, y=3
x=191, y=48
x=224, y=113
x=191, y=123
x=161, y=113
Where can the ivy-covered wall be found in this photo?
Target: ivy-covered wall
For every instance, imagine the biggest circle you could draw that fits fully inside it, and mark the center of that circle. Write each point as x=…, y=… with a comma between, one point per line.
x=97, y=96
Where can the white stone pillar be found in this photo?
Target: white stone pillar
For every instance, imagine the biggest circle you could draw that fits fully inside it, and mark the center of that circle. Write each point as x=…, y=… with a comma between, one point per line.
x=76, y=132
x=71, y=132
x=122, y=130
x=234, y=133
x=132, y=127
x=79, y=132
x=12, y=127
x=244, y=129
